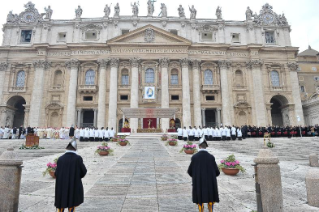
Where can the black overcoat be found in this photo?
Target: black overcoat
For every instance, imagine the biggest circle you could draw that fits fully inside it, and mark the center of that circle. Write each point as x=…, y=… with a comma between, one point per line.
x=68, y=186
x=71, y=132
x=204, y=171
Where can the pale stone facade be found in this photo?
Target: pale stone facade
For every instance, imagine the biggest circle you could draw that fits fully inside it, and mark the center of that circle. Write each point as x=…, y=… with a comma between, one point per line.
x=83, y=71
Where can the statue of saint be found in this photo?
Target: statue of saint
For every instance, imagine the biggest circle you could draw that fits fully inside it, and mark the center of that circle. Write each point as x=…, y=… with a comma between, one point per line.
x=150, y=8
x=249, y=14
x=193, y=12
x=117, y=10
x=163, y=10
x=48, y=12
x=11, y=17
x=181, y=12
x=107, y=11
x=219, y=12
x=78, y=12
x=134, y=9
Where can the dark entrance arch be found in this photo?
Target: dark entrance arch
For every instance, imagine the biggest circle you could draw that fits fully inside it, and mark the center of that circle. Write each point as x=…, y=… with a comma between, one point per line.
x=16, y=103
x=279, y=111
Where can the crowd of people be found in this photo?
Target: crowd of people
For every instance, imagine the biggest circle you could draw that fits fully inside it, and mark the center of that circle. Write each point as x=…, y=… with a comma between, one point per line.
x=83, y=134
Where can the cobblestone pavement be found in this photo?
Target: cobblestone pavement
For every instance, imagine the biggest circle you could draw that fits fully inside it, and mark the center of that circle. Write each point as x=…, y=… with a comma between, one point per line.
x=149, y=176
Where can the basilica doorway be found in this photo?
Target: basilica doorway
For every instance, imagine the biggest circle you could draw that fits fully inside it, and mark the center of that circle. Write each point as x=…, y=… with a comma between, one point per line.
x=149, y=123
x=88, y=118
x=16, y=117
x=210, y=117
x=279, y=111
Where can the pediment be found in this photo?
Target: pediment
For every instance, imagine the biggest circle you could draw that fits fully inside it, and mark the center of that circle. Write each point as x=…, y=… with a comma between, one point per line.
x=149, y=35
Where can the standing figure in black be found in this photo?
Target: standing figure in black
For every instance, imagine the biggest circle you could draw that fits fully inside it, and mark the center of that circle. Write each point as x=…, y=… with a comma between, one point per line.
x=71, y=132
x=204, y=172
x=70, y=170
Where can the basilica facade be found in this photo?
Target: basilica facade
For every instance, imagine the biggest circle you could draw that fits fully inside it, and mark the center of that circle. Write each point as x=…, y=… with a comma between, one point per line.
x=85, y=70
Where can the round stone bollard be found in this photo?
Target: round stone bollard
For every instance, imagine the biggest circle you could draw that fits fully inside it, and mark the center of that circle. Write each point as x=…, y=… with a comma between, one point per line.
x=10, y=180
x=312, y=185
x=313, y=160
x=269, y=179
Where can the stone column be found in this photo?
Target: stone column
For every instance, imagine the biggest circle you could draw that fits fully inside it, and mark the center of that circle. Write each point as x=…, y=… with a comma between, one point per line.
x=223, y=66
x=3, y=68
x=196, y=93
x=299, y=117
x=102, y=93
x=164, y=88
x=37, y=92
x=10, y=180
x=203, y=117
x=269, y=179
x=134, y=90
x=73, y=65
x=312, y=186
x=114, y=63
x=79, y=117
x=218, y=117
x=186, y=96
x=258, y=89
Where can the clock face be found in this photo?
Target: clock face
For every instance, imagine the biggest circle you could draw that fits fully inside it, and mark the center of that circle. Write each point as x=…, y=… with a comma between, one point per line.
x=268, y=18
x=28, y=17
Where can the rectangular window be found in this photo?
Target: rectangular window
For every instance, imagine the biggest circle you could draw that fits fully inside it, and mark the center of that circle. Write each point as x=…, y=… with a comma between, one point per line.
x=175, y=97
x=235, y=38
x=270, y=37
x=87, y=98
x=173, y=31
x=125, y=31
x=125, y=79
x=26, y=36
x=62, y=37
x=210, y=98
x=207, y=36
x=124, y=97
x=174, y=79
x=91, y=35
x=302, y=88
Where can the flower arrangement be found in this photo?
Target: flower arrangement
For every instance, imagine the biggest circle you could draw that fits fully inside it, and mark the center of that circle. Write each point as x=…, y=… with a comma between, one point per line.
x=231, y=162
x=31, y=147
x=189, y=147
x=122, y=141
x=171, y=142
x=164, y=137
x=51, y=167
x=104, y=149
x=270, y=144
x=115, y=138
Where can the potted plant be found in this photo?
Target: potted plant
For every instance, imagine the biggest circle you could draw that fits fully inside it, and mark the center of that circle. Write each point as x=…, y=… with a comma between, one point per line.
x=230, y=166
x=164, y=137
x=51, y=167
x=115, y=138
x=171, y=142
x=189, y=148
x=104, y=149
x=122, y=141
x=270, y=144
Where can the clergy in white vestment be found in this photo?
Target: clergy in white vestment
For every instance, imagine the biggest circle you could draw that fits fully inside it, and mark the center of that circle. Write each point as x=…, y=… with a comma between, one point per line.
x=223, y=130
x=86, y=134
x=218, y=134
x=107, y=134
x=185, y=134
x=91, y=134
x=101, y=134
x=180, y=133
x=228, y=133
x=233, y=133
x=81, y=134
x=111, y=133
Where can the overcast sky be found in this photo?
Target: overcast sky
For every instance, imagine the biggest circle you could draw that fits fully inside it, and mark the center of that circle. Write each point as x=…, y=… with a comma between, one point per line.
x=302, y=15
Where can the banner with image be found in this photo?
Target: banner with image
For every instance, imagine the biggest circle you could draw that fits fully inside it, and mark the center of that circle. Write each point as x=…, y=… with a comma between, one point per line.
x=149, y=93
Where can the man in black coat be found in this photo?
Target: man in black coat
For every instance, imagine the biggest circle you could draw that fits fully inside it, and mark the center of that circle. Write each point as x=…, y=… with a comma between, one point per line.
x=71, y=132
x=70, y=170
x=204, y=171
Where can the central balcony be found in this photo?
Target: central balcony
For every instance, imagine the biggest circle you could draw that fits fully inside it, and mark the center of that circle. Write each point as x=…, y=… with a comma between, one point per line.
x=210, y=88
x=88, y=88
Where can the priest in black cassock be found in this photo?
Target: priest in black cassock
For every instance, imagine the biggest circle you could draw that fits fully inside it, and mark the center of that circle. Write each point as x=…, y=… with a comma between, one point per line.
x=70, y=170
x=204, y=171
x=71, y=132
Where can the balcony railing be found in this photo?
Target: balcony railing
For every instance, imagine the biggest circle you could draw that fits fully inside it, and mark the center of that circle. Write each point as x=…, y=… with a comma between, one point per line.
x=239, y=87
x=277, y=88
x=18, y=89
x=88, y=88
x=124, y=86
x=210, y=88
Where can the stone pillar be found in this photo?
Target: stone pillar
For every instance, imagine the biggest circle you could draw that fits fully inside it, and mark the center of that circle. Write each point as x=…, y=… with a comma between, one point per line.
x=3, y=68
x=223, y=66
x=204, y=117
x=102, y=93
x=37, y=93
x=186, y=96
x=95, y=117
x=312, y=185
x=299, y=117
x=196, y=93
x=218, y=117
x=258, y=89
x=164, y=62
x=134, y=90
x=79, y=117
x=313, y=160
x=10, y=180
x=114, y=63
x=269, y=179
x=73, y=65
x=123, y=122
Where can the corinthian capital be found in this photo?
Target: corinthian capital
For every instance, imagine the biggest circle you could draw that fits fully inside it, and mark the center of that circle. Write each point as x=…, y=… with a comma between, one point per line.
x=254, y=63
x=293, y=66
x=3, y=66
x=195, y=63
x=135, y=61
x=114, y=62
x=184, y=62
x=41, y=64
x=224, y=63
x=164, y=62
x=73, y=63
x=103, y=62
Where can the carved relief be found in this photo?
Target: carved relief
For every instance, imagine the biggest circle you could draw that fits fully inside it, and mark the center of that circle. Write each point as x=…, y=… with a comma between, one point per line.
x=149, y=35
x=114, y=62
x=184, y=62
x=268, y=17
x=254, y=63
x=135, y=62
x=41, y=64
x=164, y=62
x=72, y=63
x=224, y=63
x=3, y=66
x=293, y=66
x=103, y=62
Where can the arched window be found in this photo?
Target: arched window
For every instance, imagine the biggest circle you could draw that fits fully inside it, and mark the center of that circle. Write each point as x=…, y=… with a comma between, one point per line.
x=208, y=77
x=275, y=79
x=20, y=79
x=174, y=77
x=149, y=76
x=125, y=77
x=58, y=79
x=239, y=78
x=89, y=77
